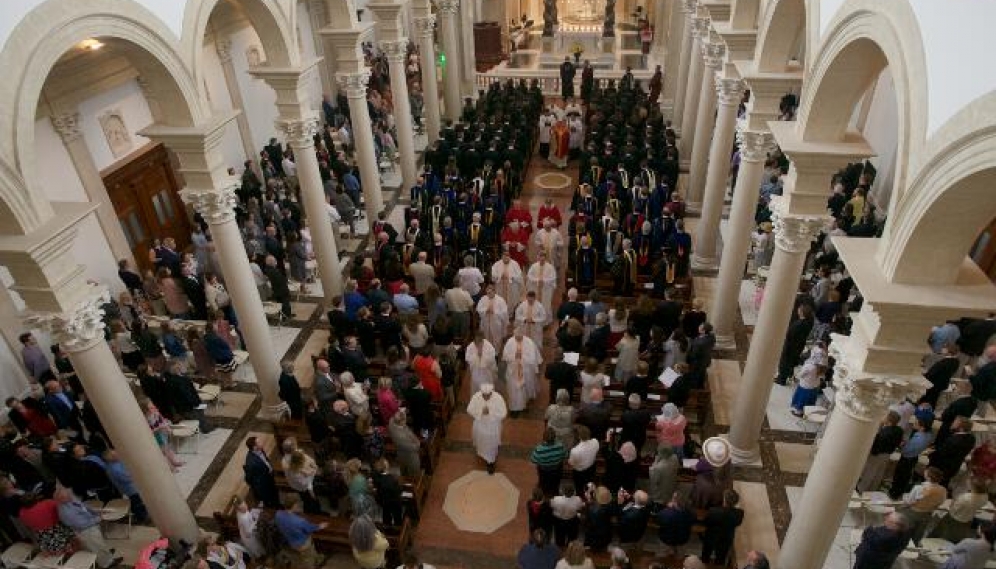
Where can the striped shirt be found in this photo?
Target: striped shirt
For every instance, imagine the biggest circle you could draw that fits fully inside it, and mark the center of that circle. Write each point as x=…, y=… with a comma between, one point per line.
x=548, y=456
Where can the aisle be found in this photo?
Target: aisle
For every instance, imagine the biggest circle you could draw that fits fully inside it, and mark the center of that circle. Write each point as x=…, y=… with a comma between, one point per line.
x=439, y=539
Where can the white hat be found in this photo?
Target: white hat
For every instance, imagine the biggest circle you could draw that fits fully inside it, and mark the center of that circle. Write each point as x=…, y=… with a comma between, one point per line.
x=487, y=388
x=716, y=451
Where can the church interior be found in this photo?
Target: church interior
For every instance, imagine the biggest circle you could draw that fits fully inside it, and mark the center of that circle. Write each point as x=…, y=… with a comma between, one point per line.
x=397, y=283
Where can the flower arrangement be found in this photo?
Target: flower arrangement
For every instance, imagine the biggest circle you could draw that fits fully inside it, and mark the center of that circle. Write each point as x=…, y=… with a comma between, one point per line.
x=577, y=50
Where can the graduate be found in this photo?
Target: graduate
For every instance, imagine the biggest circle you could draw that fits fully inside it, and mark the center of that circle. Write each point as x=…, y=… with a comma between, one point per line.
x=624, y=270
x=586, y=264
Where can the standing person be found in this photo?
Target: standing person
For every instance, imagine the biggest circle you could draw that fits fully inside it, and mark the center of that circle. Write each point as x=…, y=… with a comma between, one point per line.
x=506, y=274
x=85, y=523
x=721, y=525
x=369, y=545
x=481, y=359
x=562, y=376
x=887, y=440
x=918, y=442
x=488, y=410
x=522, y=361
x=259, y=474
x=548, y=456
x=674, y=524
x=538, y=553
x=530, y=315
x=296, y=532
x=493, y=314
x=582, y=457
x=922, y=501
x=670, y=428
x=567, y=73
x=560, y=417
x=247, y=519
x=388, y=493
x=542, y=279
x=628, y=348
x=34, y=359
x=881, y=545
x=795, y=342
x=973, y=553
x=279, y=290
x=290, y=390
x=406, y=443
x=664, y=475
x=566, y=509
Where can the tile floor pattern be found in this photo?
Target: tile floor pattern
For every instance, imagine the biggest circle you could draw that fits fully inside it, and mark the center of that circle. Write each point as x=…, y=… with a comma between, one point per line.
x=214, y=474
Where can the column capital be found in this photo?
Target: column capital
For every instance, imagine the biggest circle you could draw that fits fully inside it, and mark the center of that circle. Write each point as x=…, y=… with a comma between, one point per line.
x=729, y=91
x=689, y=7
x=713, y=54
x=355, y=84
x=80, y=327
x=395, y=50
x=866, y=396
x=224, y=48
x=215, y=206
x=754, y=145
x=794, y=232
x=448, y=7
x=700, y=27
x=425, y=26
x=299, y=132
x=68, y=126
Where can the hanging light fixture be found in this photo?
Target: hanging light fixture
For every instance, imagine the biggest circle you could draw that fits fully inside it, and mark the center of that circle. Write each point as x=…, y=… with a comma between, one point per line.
x=91, y=44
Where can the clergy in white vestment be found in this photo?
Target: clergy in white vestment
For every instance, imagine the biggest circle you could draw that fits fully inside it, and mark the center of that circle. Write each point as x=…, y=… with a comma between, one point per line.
x=522, y=362
x=542, y=279
x=507, y=276
x=492, y=312
x=550, y=241
x=530, y=316
x=488, y=410
x=482, y=362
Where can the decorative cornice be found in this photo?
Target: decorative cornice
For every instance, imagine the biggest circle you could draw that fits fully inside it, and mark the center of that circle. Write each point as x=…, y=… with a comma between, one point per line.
x=689, y=7
x=215, y=206
x=395, y=50
x=866, y=396
x=299, y=133
x=729, y=91
x=80, y=328
x=754, y=145
x=224, y=49
x=700, y=27
x=425, y=26
x=68, y=125
x=354, y=84
x=793, y=232
x=448, y=7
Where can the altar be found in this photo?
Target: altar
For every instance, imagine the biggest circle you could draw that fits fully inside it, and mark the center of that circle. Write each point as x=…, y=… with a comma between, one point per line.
x=580, y=27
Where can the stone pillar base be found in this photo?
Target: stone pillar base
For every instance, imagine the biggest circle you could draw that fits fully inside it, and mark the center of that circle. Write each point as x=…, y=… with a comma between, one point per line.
x=745, y=457
x=693, y=207
x=724, y=342
x=704, y=263
x=276, y=412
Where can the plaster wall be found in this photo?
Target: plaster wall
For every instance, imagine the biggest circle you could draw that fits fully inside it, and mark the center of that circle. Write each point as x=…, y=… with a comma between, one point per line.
x=881, y=130
x=258, y=98
x=306, y=44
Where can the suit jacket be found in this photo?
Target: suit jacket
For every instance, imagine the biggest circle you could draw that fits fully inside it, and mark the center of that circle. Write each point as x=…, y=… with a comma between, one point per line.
x=632, y=523
x=278, y=284
x=290, y=392
x=65, y=416
x=634, y=426
x=949, y=455
x=388, y=488
x=879, y=547
x=259, y=477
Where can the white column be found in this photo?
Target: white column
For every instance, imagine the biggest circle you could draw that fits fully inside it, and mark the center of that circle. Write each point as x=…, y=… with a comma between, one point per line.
x=317, y=20
x=753, y=151
x=218, y=209
x=395, y=51
x=861, y=401
x=728, y=93
x=793, y=235
x=468, y=56
x=300, y=137
x=693, y=86
x=451, y=72
x=81, y=332
x=355, y=85
x=224, y=49
x=69, y=128
x=684, y=59
x=712, y=55
x=424, y=26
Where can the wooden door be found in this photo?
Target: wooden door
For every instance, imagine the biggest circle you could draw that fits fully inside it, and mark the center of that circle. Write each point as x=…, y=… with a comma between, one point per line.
x=144, y=189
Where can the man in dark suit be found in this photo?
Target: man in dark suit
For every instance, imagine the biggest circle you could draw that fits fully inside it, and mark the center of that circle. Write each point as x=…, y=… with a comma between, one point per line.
x=572, y=308
x=562, y=375
x=259, y=474
x=950, y=453
x=185, y=401
x=881, y=545
x=795, y=342
x=964, y=406
x=388, y=493
x=635, y=420
x=274, y=246
x=633, y=516
x=419, y=404
x=279, y=291
x=668, y=314
x=595, y=415
x=721, y=525
x=290, y=390
x=62, y=408
x=699, y=356
x=639, y=383
x=194, y=289
x=388, y=327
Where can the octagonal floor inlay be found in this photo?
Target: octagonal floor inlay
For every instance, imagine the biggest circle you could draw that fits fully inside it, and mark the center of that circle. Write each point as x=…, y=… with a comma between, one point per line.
x=481, y=503
x=552, y=181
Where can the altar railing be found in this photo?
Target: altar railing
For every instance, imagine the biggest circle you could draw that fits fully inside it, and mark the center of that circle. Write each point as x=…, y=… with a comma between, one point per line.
x=549, y=79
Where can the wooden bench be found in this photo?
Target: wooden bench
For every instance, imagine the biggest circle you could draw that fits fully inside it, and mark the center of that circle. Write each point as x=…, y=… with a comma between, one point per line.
x=414, y=490
x=334, y=538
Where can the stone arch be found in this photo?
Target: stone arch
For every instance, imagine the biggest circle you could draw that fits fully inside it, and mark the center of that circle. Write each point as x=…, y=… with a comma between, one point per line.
x=274, y=26
x=778, y=34
x=948, y=203
x=34, y=47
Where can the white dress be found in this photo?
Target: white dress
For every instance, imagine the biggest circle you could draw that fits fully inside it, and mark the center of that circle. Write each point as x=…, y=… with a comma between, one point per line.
x=522, y=362
x=247, y=531
x=543, y=280
x=482, y=364
x=493, y=314
x=487, y=427
x=531, y=318
x=590, y=382
x=507, y=278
